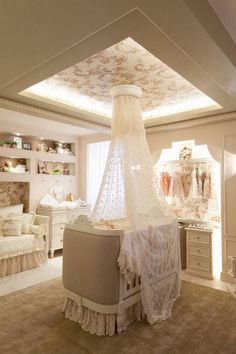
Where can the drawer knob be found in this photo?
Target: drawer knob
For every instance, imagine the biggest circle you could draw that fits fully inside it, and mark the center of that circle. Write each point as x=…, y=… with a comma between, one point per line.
x=198, y=250
x=198, y=263
x=198, y=237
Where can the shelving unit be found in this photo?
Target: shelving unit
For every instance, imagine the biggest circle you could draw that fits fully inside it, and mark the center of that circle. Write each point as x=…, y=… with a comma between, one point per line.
x=32, y=159
x=190, y=186
x=40, y=183
x=190, y=183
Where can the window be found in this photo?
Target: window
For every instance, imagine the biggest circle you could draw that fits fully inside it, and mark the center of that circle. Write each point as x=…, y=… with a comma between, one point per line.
x=96, y=160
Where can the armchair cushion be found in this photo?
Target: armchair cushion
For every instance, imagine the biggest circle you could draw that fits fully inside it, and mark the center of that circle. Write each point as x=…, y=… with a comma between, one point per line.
x=27, y=222
x=39, y=230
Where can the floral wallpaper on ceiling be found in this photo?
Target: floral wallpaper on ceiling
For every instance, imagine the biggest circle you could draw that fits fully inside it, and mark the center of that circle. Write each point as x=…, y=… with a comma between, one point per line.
x=86, y=85
x=13, y=193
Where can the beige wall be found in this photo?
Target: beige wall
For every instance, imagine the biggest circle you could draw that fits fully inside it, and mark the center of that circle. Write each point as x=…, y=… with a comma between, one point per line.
x=221, y=141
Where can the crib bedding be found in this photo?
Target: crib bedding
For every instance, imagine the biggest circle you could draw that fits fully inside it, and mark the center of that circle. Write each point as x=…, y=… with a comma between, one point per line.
x=12, y=246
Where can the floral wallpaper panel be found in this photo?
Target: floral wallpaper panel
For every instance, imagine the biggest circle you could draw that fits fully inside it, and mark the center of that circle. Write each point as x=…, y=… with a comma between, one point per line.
x=87, y=84
x=13, y=193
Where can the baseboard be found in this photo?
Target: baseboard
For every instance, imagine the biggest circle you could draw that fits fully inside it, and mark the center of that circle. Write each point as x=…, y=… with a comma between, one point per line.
x=226, y=277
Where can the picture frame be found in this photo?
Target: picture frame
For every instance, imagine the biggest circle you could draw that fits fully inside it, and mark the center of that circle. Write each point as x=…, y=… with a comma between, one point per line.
x=42, y=167
x=27, y=146
x=18, y=142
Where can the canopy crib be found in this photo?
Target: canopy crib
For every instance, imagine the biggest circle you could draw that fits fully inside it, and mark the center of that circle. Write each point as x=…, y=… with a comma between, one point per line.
x=125, y=261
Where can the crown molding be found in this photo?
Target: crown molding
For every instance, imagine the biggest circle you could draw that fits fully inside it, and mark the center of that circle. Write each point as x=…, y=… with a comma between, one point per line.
x=43, y=113
x=192, y=123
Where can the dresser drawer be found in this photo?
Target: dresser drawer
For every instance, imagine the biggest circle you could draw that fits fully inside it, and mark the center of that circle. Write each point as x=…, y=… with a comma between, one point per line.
x=200, y=237
x=200, y=263
x=72, y=215
x=59, y=218
x=58, y=230
x=57, y=242
x=199, y=250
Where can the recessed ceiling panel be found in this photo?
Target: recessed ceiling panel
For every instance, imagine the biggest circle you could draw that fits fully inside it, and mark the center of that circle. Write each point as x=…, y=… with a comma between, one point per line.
x=86, y=85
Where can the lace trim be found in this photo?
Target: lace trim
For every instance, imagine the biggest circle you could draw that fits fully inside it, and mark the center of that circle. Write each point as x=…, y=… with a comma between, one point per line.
x=98, y=323
x=154, y=255
x=16, y=264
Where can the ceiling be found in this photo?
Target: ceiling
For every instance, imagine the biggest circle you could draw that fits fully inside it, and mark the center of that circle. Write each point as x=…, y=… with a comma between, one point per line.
x=226, y=11
x=59, y=63
x=87, y=85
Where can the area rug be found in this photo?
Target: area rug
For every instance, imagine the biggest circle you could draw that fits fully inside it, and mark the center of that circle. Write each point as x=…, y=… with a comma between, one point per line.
x=203, y=321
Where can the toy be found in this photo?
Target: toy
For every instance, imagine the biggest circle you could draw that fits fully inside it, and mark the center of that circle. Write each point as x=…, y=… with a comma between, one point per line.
x=7, y=167
x=42, y=147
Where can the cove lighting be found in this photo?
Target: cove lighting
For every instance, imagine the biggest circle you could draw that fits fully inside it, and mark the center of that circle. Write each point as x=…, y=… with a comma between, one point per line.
x=66, y=97
x=185, y=106
x=85, y=86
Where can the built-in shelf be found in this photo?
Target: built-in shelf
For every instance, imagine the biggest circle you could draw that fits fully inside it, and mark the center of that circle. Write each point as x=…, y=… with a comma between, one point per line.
x=55, y=168
x=29, y=149
x=21, y=153
x=15, y=177
x=38, y=163
x=187, y=162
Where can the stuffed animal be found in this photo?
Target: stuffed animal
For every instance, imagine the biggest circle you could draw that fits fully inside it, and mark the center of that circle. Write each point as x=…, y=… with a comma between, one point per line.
x=7, y=167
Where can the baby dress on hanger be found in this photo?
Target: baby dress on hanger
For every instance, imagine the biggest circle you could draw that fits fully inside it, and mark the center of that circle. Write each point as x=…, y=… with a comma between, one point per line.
x=176, y=186
x=194, y=189
x=207, y=186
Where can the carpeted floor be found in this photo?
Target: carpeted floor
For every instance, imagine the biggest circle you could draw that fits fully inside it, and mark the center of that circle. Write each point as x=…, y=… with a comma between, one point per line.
x=203, y=322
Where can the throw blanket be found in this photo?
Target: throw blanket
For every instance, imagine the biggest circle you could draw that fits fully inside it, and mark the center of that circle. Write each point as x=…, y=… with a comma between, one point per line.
x=153, y=254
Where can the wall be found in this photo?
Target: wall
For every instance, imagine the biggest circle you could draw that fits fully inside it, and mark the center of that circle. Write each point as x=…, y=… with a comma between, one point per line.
x=221, y=140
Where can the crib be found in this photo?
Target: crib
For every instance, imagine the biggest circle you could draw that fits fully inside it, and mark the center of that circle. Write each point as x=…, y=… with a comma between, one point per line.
x=97, y=294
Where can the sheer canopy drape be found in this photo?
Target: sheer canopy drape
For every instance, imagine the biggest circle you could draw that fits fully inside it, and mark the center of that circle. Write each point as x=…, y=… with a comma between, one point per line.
x=129, y=189
x=129, y=198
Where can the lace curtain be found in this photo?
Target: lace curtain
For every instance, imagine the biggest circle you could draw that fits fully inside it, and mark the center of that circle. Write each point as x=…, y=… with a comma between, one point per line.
x=129, y=198
x=129, y=190
x=96, y=159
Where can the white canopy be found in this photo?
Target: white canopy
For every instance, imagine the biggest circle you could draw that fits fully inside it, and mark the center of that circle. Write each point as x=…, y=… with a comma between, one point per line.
x=129, y=190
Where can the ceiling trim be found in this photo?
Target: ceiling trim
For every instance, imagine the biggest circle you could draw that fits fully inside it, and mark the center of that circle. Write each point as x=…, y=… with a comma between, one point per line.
x=43, y=113
x=176, y=32
x=48, y=60
x=192, y=123
x=168, y=51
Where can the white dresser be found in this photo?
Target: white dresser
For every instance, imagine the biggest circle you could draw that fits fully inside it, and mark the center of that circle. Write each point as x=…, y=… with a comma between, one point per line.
x=199, y=252
x=58, y=218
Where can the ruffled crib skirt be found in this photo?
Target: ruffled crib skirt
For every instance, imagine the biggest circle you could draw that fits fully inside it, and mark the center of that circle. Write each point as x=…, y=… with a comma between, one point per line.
x=99, y=323
x=20, y=263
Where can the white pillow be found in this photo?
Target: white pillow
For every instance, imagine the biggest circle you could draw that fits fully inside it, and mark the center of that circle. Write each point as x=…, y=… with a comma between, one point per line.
x=11, y=226
x=11, y=210
x=27, y=221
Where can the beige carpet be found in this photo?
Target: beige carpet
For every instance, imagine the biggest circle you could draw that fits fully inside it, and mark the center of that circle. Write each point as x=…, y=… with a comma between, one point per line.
x=203, y=321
